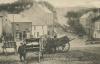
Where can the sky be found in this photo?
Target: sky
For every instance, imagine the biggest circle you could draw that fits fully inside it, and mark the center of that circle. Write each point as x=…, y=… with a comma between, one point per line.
x=65, y=3
x=75, y=3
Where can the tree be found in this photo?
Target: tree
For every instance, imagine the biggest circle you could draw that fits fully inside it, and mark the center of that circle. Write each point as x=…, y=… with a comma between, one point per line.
x=17, y=6
x=73, y=21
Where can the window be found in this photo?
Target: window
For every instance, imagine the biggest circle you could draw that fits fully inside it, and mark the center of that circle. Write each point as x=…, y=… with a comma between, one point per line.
x=17, y=34
x=34, y=35
x=17, y=26
x=34, y=27
x=37, y=34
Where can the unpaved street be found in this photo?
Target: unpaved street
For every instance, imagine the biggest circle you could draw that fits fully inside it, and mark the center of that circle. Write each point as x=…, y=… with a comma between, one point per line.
x=78, y=54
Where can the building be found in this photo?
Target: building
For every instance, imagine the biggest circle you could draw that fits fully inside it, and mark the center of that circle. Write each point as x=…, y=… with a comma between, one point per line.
x=5, y=24
x=33, y=22
x=96, y=32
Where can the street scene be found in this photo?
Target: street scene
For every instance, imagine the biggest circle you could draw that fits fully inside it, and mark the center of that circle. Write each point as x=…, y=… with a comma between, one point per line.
x=48, y=32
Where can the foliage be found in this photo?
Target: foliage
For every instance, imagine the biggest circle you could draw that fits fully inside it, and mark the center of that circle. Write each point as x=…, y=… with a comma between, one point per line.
x=74, y=23
x=16, y=7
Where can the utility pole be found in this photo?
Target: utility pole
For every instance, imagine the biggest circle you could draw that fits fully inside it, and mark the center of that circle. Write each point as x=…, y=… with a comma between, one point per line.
x=54, y=20
x=13, y=28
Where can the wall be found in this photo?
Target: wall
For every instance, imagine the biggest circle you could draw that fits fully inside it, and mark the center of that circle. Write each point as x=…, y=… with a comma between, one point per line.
x=39, y=30
x=96, y=33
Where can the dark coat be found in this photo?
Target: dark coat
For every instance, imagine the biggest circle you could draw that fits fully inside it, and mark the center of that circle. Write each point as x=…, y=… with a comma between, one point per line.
x=22, y=50
x=50, y=42
x=62, y=41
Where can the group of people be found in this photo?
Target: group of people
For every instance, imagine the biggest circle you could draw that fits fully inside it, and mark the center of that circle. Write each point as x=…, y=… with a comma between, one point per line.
x=50, y=46
x=22, y=49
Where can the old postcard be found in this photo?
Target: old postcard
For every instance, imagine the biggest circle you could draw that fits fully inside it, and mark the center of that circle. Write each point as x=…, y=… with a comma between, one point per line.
x=49, y=32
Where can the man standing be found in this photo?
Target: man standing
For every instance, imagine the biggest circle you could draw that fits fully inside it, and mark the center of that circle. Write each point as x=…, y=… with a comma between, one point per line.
x=22, y=52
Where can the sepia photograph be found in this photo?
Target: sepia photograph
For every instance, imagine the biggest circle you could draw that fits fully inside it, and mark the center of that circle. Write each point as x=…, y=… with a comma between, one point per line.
x=49, y=31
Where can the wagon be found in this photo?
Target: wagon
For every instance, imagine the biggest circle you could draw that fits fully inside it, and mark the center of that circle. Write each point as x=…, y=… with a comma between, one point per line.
x=34, y=45
x=57, y=44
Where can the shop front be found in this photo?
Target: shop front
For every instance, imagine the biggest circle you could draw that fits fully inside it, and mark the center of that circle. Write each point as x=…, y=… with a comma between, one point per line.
x=22, y=30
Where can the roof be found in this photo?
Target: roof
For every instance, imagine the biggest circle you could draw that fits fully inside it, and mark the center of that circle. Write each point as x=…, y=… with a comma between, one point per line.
x=36, y=14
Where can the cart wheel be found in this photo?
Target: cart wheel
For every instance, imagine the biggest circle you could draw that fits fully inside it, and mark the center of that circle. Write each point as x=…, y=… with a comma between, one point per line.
x=67, y=47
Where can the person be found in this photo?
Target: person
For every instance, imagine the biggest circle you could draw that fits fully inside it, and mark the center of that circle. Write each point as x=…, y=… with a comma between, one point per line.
x=24, y=35
x=22, y=52
x=55, y=42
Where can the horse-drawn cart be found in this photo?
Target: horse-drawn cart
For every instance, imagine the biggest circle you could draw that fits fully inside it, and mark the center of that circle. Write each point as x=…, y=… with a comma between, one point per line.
x=59, y=44
x=45, y=45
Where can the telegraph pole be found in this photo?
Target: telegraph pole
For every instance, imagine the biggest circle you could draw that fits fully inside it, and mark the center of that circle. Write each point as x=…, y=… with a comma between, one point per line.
x=13, y=29
x=54, y=20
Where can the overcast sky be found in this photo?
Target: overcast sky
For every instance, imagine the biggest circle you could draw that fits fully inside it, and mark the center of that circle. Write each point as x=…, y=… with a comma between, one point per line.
x=67, y=3
x=74, y=3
